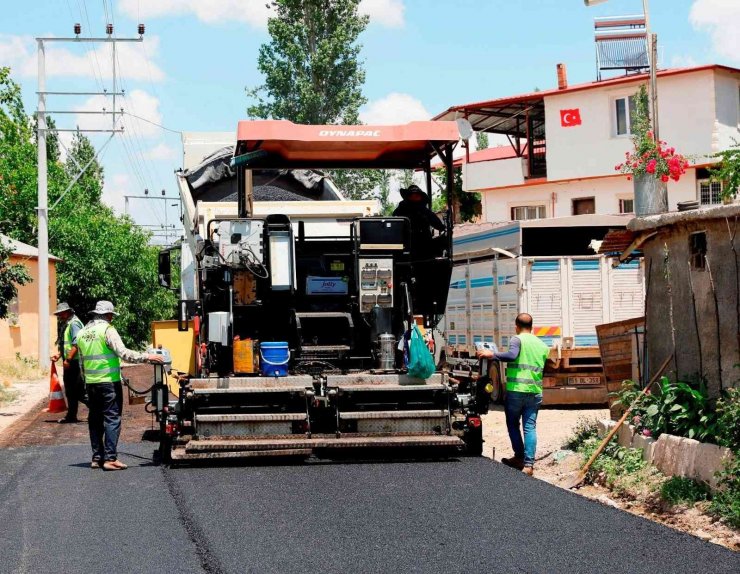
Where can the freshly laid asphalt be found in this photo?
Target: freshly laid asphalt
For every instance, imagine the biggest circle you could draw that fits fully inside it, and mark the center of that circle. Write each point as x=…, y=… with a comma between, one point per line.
x=468, y=515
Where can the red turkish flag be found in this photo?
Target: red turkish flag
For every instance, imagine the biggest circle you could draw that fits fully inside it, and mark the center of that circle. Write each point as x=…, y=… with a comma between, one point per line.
x=570, y=118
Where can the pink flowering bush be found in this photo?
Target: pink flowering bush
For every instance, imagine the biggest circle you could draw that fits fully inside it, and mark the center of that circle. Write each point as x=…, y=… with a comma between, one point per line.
x=649, y=156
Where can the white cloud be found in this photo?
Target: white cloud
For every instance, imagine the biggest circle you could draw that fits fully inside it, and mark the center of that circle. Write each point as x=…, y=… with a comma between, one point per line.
x=252, y=12
x=115, y=187
x=162, y=152
x=722, y=19
x=20, y=53
x=395, y=108
x=389, y=13
x=136, y=102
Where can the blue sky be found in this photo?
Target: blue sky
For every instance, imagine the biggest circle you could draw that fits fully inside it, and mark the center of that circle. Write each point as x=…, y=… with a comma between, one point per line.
x=421, y=56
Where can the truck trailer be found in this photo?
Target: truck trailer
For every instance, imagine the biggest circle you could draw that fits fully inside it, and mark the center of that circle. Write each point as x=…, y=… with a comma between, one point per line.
x=295, y=311
x=547, y=269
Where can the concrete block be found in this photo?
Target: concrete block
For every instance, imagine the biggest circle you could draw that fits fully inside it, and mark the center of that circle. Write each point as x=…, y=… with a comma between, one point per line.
x=625, y=434
x=647, y=444
x=604, y=426
x=710, y=459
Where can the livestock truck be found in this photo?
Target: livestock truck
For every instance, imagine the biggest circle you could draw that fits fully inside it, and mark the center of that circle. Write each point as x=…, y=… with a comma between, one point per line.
x=547, y=269
x=294, y=302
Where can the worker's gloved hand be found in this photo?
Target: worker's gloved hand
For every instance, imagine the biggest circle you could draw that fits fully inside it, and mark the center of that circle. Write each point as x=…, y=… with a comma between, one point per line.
x=484, y=354
x=158, y=359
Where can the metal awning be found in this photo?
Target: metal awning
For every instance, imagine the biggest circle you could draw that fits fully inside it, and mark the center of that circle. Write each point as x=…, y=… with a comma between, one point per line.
x=507, y=116
x=283, y=144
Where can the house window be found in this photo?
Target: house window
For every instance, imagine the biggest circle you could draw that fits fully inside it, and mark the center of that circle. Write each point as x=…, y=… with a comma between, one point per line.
x=624, y=110
x=698, y=247
x=710, y=192
x=584, y=206
x=627, y=205
x=524, y=212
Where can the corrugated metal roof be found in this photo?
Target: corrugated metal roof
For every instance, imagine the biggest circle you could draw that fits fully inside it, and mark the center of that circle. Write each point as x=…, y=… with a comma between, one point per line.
x=23, y=249
x=488, y=154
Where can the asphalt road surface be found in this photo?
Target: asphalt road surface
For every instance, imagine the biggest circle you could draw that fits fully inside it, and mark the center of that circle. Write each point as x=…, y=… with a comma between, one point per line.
x=468, y=515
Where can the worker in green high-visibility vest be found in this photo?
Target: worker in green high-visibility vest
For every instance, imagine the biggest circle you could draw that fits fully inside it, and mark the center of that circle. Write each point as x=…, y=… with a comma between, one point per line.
x=101, y=350
x=525, y=358
x=69, y=326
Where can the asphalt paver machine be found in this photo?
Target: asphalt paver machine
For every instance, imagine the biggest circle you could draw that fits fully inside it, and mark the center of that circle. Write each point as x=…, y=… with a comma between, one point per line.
x=297, y=323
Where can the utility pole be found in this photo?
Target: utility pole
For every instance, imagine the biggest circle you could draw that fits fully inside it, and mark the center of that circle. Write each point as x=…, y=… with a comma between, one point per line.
x=43, y=192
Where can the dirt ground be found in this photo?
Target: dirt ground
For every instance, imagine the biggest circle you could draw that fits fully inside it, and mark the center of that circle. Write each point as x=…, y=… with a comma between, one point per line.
x=40, y=428
x=554, y=425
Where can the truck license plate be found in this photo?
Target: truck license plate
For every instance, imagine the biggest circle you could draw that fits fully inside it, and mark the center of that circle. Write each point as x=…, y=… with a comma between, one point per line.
x=584, y=381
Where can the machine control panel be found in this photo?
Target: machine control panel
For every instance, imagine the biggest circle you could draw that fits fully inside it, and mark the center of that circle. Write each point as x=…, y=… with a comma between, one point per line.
x=240, y=242
x=376, y=283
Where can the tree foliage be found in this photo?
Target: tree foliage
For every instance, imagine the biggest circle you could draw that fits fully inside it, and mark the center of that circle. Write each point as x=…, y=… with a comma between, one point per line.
x=313, y=74
x=311, y=66
x=465, y=206
x=481, y=140
x=11, y=276
x=728, y=170
x=103, y=255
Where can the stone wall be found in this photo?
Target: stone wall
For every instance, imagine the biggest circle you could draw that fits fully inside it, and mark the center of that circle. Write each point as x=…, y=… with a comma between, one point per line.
x=674, y=455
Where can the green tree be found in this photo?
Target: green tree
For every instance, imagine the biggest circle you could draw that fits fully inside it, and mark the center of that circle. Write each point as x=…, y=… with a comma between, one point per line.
x=11, y=276
x=313, y=74
x=90, y=184
x=728, y=170
x=103, y=256
x=311, y=66
x=481, y=140
x=386, y=207
x=465, y=206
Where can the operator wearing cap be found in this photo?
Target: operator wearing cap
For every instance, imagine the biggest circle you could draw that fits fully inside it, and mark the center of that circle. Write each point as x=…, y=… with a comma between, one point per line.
x=101, y=349
x=413, y=206
x=69, y=327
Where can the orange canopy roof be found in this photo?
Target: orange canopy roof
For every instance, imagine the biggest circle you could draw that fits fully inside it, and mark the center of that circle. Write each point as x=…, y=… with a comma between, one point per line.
x=289, y=145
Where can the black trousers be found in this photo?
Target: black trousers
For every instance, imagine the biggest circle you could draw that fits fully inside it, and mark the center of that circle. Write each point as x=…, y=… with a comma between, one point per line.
x=74, y=388
x=104, y=420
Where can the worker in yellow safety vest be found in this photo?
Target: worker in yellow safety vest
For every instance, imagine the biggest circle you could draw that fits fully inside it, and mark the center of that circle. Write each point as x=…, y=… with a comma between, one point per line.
x=101, y=349
x=525, y=358
x=69, y=325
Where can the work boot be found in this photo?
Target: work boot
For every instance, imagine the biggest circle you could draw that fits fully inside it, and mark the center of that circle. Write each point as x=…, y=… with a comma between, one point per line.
x=114, y=465
x=514, y=462
x=65, y=421
x=95, y=464
x=528, y=470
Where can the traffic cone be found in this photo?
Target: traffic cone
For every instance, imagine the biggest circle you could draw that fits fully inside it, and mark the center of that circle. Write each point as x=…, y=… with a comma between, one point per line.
x=56, y=395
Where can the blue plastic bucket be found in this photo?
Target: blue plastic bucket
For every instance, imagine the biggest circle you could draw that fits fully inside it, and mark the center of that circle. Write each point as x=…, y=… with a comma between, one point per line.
x=274, y=359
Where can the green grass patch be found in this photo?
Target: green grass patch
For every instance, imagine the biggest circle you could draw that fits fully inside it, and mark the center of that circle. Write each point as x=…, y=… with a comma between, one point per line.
x=680, y=490
x=584, y=430
x=614, y=462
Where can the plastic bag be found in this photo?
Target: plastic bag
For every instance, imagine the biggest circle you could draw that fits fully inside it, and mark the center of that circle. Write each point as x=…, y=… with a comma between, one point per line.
x=420, y=360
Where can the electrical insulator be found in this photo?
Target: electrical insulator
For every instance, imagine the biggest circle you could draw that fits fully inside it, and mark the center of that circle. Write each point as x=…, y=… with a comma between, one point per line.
x=141, y=29
x=109, y=29
x=78, y=29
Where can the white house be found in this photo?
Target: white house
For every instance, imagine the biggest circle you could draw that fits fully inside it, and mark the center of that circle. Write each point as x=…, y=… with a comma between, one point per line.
x=565, y=142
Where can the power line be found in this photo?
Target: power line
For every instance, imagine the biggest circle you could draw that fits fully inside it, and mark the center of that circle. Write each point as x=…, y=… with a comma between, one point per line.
x=153, y=123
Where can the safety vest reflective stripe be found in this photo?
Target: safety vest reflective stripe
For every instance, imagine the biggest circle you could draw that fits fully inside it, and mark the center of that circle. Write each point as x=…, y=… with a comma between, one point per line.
x=525, y=375
x=110, y=370
x=99, y=363
x=99, y=357
x=532, y=368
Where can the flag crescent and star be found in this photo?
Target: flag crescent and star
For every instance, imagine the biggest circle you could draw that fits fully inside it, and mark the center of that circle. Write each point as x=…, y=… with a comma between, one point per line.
x=570, y=118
